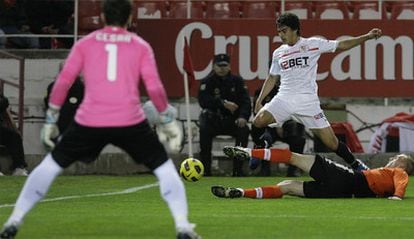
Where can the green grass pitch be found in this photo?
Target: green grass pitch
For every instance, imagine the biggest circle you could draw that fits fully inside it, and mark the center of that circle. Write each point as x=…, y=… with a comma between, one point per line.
x=100, y=207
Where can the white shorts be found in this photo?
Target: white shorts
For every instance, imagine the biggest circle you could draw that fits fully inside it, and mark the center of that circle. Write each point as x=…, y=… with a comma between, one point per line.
x=304, y=108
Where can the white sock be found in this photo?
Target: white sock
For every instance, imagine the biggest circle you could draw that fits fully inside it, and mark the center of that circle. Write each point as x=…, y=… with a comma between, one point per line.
x=173, y=192
x=259, y=192
x=249, y=151
x=35, y=188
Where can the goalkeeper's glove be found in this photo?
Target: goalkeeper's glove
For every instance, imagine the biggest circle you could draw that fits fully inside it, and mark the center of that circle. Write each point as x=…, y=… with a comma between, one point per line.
x=171, y=134
x=50, y=129
x=169, y=115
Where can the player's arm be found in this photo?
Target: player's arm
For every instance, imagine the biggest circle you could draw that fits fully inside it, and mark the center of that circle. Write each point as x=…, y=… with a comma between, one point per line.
x=349, y=43
x=400, y=179
x=152, y=81
x=69, y=73
x=268, y=85
x=66, y=77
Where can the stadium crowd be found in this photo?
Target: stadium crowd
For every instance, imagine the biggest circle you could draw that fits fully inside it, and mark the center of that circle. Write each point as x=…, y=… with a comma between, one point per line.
x=57, y=17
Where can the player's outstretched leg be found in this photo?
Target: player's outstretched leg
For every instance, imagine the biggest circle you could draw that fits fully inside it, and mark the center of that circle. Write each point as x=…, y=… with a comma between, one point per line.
x=274, y=155
x=254, y=155
x=260, y=192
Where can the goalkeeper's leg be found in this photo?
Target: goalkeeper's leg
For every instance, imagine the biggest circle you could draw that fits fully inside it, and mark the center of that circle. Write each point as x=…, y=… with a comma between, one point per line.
x=35, y=188
x=173, y=192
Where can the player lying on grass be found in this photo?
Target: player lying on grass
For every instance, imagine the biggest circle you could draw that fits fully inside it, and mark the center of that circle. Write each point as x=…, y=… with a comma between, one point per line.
x=331, y=180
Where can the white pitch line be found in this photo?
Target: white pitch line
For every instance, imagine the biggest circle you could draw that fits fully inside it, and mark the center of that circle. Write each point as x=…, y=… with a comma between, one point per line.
x=126, y=191
x=312, y=217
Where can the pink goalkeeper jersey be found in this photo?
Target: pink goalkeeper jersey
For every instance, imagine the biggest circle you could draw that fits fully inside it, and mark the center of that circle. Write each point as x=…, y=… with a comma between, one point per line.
x=112, y=61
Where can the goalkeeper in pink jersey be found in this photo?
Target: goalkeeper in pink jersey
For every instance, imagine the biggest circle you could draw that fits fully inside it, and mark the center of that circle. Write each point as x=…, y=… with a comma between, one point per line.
x=113, y=62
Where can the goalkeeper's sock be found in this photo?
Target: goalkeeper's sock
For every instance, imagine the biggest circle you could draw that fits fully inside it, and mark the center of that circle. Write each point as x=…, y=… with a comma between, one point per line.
x=272, y=155
x=263, y=192
x=173, y=192
x=35, y=188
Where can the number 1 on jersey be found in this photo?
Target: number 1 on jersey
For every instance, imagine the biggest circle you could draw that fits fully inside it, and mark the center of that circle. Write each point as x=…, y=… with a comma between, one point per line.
x=112, y=50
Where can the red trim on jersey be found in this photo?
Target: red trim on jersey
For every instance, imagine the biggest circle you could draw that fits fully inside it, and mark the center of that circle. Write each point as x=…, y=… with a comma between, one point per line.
x=288, y=54
x=314, y=49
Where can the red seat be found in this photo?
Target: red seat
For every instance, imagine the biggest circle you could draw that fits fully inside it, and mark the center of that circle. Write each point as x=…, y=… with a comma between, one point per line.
x=345, y=131
x=369, y=11
x=178, y=9
x=89, y=16
x=148, y=9
x=402, y=10
x=222, y=9
x=259, y=9
x=331, y=10
x=302, y=9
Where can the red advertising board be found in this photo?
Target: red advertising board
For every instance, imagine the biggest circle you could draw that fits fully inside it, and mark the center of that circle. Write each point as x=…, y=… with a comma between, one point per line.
x=377, y=68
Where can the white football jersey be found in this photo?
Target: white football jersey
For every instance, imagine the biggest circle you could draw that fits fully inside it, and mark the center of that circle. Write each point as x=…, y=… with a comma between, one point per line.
x=297, y=65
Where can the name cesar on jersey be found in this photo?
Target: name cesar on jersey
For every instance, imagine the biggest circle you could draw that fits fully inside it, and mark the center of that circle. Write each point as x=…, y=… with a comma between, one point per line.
x=295, y=62
x=112, y=37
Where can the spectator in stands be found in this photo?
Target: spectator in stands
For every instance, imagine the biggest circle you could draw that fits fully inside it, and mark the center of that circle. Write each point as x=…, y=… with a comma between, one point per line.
x=13, y=20
x=331, y=180
x=11, y=138
x=51, y=17
x=291, y=132
x=226, y=109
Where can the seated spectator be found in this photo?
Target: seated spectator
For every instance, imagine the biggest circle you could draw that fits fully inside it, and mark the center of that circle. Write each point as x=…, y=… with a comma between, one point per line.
x=291, y=132
x=51, y=17
x=226, y=108
x=11, y=139
x=13, y=21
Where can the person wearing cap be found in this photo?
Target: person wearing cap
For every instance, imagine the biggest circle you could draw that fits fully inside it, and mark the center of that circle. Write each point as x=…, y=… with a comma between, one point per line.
x=226, y=108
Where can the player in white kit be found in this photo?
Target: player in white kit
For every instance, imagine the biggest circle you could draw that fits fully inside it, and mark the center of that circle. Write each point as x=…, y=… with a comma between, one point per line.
x=295, y=65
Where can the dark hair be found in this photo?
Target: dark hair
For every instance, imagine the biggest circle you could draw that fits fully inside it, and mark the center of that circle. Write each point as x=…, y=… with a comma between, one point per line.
x=116, y=11
x=290, y=20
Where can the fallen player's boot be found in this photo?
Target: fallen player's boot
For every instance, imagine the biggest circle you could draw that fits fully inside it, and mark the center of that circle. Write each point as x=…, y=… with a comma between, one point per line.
x=226, y=192
x=236, y=152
